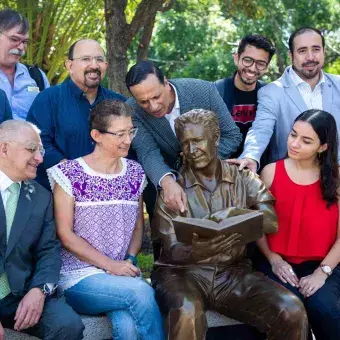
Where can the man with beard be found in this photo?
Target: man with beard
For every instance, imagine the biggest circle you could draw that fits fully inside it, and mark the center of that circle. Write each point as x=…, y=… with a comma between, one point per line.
x=62, y=111
x=239, y=92
x=15, y=78
x=302, y=86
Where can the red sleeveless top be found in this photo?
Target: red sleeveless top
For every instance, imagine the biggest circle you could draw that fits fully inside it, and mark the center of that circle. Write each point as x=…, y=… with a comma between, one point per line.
x=307, y=229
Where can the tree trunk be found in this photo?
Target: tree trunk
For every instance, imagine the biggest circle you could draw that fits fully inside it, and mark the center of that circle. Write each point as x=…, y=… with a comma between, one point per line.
x=119, y=35
x=117, y=42
x=143, y=46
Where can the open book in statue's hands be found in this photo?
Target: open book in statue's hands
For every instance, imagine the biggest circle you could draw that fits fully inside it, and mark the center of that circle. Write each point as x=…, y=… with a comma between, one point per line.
x=249, y=224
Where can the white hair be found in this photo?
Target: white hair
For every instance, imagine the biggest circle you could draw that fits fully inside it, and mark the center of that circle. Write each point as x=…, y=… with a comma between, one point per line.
x=10, y=129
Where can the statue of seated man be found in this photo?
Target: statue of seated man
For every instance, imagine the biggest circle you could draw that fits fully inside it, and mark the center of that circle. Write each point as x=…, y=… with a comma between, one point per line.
x=215, y=274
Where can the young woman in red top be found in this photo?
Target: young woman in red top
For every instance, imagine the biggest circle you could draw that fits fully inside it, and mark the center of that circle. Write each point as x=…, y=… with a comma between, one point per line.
x=304, y=254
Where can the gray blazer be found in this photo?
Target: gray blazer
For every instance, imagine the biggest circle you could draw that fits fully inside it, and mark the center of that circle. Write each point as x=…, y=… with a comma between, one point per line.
x=279, y=103
x=156, y=145
x=32, y=255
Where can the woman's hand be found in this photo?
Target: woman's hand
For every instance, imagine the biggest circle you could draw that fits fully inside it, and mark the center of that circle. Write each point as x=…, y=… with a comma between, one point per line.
x=283, y=270
x=123, y=268
x=312, y=283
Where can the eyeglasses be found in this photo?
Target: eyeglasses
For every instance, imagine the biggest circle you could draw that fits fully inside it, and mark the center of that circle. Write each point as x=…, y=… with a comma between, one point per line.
x=122, y=134
x=260, y=64
x=86, y=59
x=16, y=41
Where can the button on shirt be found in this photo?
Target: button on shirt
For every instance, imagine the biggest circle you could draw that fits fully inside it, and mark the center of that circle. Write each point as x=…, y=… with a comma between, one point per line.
x=312, y=98
x=62, y=114
x=25, y=89
x=5, y=183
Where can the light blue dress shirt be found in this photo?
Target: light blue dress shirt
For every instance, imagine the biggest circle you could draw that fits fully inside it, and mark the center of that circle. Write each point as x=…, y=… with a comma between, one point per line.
x=23, y=93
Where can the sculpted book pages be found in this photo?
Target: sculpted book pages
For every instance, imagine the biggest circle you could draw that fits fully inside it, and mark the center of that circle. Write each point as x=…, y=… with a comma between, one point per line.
x=249, y=225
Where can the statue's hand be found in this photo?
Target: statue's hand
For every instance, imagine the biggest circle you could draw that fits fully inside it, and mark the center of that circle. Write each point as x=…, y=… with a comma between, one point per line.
x=203, y=249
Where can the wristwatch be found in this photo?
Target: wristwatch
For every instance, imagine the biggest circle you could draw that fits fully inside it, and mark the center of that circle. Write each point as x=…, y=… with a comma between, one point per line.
x=132, y=258
x=326, y=269
x=48, y=289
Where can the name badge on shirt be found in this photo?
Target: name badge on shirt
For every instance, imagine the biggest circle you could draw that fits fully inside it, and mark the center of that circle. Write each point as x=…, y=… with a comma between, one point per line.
x=33, y=89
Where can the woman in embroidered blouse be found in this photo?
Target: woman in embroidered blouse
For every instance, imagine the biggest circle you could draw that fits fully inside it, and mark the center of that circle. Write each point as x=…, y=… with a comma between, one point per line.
x=304, y=255
x=99, y=217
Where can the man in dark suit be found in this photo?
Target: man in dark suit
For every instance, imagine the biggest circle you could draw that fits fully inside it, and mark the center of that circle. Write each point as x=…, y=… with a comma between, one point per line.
x=5, y=109
x=29, y=249
x=157, y=103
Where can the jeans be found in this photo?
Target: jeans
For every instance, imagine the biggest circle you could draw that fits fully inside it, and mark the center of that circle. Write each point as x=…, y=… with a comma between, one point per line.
x=127, y=301
x=323, y=307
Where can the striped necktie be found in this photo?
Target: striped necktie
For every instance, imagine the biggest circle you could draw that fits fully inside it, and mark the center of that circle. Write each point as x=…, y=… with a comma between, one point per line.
x=11, y=207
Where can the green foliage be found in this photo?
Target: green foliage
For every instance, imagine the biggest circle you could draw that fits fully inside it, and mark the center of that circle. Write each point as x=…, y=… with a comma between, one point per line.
x=192, y=40
x=55, y=25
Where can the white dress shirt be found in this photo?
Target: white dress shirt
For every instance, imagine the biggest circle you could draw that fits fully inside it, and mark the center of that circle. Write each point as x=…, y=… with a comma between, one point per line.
x=171, y=116
x=312, y=98
x=175, y=112
x=5, y=182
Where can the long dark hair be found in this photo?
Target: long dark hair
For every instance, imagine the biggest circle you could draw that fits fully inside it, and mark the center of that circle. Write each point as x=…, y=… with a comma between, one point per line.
x=324, y=125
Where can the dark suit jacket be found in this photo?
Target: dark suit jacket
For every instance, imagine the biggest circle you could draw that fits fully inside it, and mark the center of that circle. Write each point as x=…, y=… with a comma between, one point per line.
x=156, y=145
x=5, y=108
x=32, y=255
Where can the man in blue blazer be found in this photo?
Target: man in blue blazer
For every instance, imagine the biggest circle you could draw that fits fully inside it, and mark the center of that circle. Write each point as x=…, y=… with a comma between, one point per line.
x=5, y=108
x=29, y=249
x=302, y=86
x=157, y=103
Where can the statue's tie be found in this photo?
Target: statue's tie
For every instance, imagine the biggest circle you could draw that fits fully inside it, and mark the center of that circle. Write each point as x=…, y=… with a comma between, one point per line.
x=10, y=209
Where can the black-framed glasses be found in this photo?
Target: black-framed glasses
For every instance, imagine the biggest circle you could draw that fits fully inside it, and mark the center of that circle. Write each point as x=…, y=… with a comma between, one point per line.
x=121, y=135
x=249, y=61
x=86, y=59
x=16, y=41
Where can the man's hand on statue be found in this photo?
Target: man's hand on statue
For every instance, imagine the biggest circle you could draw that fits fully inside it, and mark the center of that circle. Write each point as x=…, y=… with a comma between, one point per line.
x=123, y=268
x=283, y=270
x=203, y=249
x=244, y=163
x=173, y=195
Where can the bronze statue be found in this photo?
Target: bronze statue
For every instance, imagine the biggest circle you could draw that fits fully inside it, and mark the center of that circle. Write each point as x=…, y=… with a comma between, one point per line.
x=214, y=273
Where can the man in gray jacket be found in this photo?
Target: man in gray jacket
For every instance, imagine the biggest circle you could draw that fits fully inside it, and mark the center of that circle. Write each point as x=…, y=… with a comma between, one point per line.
x=302, y=86
x=157, y=103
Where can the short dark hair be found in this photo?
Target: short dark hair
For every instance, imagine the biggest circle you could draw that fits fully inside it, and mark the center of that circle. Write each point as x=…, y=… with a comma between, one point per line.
x=10, y=19
x=102, y=114
x=300, y=31
x=258, y=41
x=140, y=71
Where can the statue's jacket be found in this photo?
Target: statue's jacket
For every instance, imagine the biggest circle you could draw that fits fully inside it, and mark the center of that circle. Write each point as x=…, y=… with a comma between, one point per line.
x=235, y=193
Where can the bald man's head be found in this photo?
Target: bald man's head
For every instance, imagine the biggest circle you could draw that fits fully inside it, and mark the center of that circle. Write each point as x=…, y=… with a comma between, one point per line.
x=86, y=64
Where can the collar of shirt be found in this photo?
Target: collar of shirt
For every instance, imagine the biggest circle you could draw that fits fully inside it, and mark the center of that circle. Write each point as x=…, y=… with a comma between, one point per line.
x=191, y=180
x=5, y=182
x=298, y=81
x=176, y=106
x=78, y=92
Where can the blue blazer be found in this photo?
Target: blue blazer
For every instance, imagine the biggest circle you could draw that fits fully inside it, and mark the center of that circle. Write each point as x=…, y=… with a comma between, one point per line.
x=5, y=108
x=279, y=103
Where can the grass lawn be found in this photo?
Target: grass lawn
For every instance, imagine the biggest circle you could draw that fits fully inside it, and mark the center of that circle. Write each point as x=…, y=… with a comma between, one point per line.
x=145, y=263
